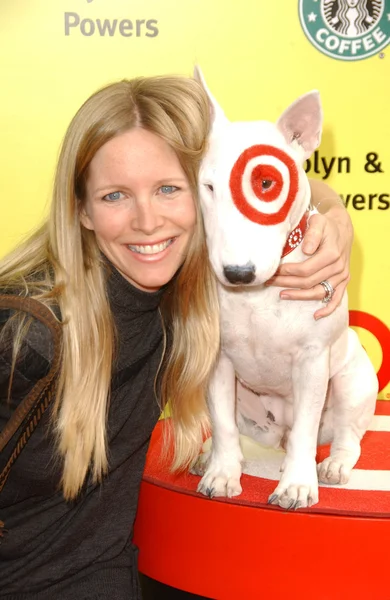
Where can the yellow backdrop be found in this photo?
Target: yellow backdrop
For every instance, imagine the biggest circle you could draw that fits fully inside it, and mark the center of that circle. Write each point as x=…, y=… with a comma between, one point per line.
x=257, y=58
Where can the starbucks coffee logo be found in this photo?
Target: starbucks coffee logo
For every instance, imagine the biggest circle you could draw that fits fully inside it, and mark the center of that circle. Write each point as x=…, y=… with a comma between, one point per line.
x=346, y=29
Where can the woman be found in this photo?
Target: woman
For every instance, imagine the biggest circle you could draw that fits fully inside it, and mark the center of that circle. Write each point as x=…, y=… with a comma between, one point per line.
x=122, y=263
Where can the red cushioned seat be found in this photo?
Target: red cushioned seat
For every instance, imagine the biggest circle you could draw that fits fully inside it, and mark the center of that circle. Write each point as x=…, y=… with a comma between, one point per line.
x=243, y=548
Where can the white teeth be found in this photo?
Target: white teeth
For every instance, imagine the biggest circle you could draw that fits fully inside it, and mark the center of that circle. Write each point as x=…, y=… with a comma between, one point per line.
x=155, y=249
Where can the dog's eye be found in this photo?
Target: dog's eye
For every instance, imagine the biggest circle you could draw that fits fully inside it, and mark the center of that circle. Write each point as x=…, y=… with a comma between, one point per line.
x=209, y=187
x=266, y=184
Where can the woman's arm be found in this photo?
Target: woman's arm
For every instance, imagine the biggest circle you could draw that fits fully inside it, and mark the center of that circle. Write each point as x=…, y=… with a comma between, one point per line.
x=328, y=243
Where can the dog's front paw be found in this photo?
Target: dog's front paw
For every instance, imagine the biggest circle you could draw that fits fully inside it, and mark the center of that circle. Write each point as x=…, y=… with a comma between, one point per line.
x=221, y=479
x=298, y=486
x=335, y=470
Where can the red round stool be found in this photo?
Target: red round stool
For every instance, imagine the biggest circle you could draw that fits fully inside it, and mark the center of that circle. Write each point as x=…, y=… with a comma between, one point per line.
x=242, y=548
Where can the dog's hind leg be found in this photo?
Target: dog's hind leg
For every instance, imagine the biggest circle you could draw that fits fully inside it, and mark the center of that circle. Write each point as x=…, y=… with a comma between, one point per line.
x=269, y=435
x=353, y=392
x=257, y=421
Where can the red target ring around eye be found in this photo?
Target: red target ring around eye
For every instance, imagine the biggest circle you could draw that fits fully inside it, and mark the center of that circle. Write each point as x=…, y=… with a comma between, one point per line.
x=235, y=183
x=266, y=172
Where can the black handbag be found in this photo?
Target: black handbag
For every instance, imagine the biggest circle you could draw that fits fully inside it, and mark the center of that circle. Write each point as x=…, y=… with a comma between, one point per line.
x=30, y=410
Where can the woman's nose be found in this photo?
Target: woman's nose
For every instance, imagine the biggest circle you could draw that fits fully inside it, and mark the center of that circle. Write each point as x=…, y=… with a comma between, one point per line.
x=148, y=217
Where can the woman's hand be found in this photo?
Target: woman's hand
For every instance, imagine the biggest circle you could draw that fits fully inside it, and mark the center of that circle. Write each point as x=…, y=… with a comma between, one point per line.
x=328, y=243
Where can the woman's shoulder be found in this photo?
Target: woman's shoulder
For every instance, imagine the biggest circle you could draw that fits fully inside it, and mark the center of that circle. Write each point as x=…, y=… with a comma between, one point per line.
x=33, y=335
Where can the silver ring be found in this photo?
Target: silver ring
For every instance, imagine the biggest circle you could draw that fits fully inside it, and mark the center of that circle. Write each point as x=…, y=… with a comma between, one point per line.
x=329, y=291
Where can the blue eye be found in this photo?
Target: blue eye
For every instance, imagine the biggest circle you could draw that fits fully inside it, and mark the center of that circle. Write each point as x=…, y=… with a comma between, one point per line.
x=112, y=196
x=168, y=189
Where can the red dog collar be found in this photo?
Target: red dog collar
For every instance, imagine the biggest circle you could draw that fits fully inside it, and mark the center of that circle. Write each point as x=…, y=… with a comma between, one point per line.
x=297, y=235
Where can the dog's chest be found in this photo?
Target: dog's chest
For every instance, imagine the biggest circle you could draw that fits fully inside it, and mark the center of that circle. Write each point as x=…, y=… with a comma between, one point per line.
x=261, y=334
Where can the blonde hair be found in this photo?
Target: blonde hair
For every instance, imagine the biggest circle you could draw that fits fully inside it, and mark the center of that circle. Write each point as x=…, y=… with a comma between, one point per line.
x=61, y=264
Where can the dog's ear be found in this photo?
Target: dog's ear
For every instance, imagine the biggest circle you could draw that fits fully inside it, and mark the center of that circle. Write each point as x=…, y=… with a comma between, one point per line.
x=301, y=123
x=217, y=116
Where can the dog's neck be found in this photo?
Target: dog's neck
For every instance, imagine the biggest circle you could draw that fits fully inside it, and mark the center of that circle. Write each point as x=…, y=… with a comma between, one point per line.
x=297, y=235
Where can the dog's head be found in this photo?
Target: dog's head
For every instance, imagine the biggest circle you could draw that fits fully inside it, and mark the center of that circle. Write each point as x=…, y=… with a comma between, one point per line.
x=253, y=188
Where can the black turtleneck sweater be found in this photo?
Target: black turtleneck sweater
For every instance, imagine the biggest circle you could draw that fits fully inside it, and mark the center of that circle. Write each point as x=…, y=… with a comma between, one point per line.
x=56, y=550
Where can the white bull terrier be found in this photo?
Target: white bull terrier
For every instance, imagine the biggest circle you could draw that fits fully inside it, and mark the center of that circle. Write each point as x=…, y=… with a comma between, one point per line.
x=311, y=381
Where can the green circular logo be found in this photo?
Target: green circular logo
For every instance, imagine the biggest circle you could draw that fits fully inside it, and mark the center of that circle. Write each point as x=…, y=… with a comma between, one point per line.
x=346, y=29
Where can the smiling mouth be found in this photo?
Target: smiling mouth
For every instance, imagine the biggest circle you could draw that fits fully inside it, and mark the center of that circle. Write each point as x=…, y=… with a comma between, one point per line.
x=151, y=248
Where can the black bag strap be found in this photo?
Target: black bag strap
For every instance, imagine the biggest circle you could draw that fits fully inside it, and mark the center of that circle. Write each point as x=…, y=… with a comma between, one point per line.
x=38, y=399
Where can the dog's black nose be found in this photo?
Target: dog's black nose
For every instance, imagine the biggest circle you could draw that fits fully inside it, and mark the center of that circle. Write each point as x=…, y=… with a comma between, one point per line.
x=240, y=274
